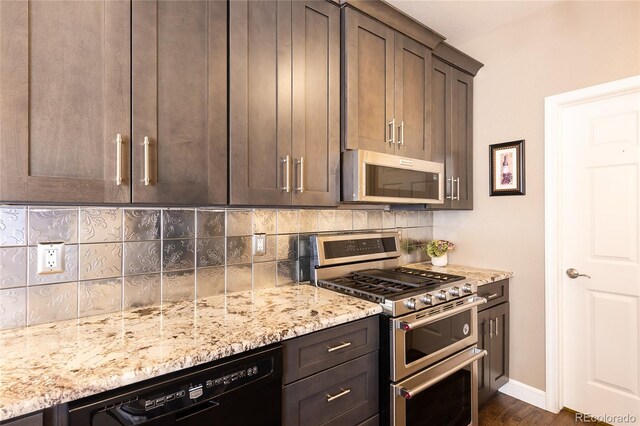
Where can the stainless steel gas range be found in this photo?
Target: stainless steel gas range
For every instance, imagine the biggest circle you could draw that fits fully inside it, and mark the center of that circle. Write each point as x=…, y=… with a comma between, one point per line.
x=429, y=329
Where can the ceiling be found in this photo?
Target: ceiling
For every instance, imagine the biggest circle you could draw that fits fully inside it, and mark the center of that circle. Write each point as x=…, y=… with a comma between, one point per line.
x=463, y=20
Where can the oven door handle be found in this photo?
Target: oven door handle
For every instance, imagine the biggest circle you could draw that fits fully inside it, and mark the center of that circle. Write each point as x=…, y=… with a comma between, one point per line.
x=411, y=325
x=474, y=355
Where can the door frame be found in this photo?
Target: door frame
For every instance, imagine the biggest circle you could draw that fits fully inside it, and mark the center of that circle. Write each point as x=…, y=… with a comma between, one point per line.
x=553, y=108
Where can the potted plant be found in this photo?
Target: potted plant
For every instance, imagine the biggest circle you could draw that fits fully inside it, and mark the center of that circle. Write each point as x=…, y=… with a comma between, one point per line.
x=437, y=251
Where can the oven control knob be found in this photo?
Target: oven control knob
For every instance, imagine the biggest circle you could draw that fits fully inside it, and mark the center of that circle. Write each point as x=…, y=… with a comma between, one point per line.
x=427, y=299
x=410, y=303
x=441, y=295
x=467, y=289
x=455, y=291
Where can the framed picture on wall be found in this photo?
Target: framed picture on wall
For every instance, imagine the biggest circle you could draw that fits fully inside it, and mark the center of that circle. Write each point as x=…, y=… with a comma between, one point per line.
x=506, y=168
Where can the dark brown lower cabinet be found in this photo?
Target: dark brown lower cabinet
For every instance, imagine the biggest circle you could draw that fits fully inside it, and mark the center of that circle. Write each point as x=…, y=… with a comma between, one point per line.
x=31, y=420
x=493, y=335
x=331, y=376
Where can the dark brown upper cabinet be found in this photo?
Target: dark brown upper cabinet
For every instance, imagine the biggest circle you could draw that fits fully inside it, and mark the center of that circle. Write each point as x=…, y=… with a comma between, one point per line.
x=387, y=89
x=65, y=96
x=284, y=102
x=452, y=125
x=66, y=90
x=179, y=102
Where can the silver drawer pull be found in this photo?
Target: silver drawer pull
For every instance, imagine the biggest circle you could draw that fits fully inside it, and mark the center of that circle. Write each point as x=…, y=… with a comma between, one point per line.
x=492, y=296
x=342, y=393
x=340, y=346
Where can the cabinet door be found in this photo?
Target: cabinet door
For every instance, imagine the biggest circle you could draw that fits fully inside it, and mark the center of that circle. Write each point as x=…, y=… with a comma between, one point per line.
x=368, y=83
x=179, y=101
x=316, y=103
x=260, y=102
x=484, y=364
x=441, y=119
x=460, y=148
x=413, y=99
x=64, y=96
x=499, y=357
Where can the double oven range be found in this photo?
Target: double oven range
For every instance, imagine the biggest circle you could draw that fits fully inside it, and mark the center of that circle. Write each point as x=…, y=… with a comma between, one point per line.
x=428, y=330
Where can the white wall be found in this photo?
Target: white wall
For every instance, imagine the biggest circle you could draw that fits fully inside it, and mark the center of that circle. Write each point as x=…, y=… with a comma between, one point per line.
x=567, y=46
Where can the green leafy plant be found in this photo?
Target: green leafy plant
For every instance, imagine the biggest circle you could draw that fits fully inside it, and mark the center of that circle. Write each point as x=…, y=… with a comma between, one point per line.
x=437, y=248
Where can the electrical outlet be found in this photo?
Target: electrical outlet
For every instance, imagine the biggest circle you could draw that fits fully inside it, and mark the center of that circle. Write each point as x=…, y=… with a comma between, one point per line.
x=259, y=244
x=50, y=258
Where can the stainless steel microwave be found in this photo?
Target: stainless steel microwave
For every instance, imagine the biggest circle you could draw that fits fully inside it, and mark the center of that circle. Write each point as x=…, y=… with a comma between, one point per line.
x=373, y=177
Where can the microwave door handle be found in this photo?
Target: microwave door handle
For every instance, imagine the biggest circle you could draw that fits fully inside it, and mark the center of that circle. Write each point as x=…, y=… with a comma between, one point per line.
x=476, y=354
x=412, y=325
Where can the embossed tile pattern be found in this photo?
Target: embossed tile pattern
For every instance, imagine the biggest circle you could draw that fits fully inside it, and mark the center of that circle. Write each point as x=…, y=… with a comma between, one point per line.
x=142, y=257
x=55, y=302
x=13, y=267
x=141, y=224
x=210, y=281
x=178, y=254
x=99, y=296
x=13, y=225
x=129, y=257
x=239, y=250
x=210, y=252
x=141, y=290
x=178, y=224
x=13, y=307
x=211, y=223
x=100, y=225
x=178, y=286
x=100, y=261
x=53, y=225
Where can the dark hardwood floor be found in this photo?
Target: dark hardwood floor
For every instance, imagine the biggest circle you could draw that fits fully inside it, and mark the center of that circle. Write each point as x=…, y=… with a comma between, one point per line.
x=505, y=410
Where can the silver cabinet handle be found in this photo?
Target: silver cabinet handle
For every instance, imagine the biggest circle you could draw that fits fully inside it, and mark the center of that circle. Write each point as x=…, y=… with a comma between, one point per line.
x=392, y=131
x=573, y=273
x=287, y=177
x=147, y=166
x=342, y=393
x=496, y=323
x=401, y=133
x=450, y=197
x=457, y=188
x=300, y=162
x=342, y=345
x=491, y=328
x=118, y=159
x=492, y=296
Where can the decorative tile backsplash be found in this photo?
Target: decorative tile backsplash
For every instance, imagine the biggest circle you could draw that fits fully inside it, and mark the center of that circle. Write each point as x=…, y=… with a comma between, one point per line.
x=123, y=258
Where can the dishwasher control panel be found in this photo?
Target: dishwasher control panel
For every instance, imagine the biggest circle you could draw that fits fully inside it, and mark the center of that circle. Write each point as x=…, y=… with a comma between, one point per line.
x=200, y=389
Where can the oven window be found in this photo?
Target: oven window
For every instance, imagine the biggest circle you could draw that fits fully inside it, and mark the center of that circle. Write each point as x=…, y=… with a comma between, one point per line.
x=392, y=182
x=447, y=403
x=437, y=335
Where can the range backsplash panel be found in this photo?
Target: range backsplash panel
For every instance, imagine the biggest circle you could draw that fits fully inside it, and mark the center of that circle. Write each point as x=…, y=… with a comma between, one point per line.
x=124, y=258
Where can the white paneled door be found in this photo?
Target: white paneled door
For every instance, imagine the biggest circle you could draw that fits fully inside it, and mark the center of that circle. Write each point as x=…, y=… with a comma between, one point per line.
x=600, y=238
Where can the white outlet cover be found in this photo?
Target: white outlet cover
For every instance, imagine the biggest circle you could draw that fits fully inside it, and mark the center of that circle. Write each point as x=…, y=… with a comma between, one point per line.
x=259, y=244
x=50, y=258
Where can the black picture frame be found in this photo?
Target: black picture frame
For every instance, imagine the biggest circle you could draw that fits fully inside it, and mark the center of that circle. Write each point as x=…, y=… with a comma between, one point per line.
x=507, y=168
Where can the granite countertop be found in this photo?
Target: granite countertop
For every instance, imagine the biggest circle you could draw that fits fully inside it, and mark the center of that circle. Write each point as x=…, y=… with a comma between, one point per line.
x=49, y=364
x=482, y=276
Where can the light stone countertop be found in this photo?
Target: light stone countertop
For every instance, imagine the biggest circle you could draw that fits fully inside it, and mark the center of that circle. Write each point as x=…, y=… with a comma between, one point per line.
x=482, y=276
x=49, y=364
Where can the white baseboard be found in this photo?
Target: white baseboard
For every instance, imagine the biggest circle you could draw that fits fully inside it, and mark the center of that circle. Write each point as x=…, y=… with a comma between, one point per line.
x=525, y=393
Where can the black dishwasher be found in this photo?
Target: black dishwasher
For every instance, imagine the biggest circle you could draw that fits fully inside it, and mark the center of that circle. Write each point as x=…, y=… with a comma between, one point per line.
x=245, y=391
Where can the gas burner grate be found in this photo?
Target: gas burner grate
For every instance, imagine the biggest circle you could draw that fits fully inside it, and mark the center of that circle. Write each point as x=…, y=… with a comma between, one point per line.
x=368, y=287
x=437, y=277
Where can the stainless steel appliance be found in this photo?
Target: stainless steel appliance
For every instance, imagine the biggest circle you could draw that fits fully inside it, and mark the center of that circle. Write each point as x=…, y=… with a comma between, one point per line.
x=429, y=328
x=214, y=393
x=375, y=177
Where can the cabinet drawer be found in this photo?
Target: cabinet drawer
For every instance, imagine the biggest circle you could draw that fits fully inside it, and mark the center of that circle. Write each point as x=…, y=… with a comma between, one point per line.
x=324, y=349
x=373, y=421
x=495, y=293
x=343, y=395
x=33, y=420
